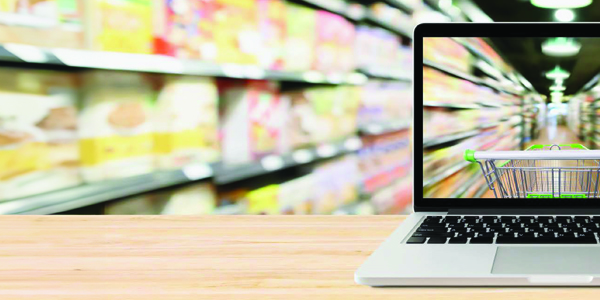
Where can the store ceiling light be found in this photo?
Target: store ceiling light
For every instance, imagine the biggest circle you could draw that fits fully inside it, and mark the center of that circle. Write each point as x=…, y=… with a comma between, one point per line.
x=556, y=94
x=557, y=73
x=561, y=47
x=561, y=3
x=557, y=88
x=564, y=15
x=559, y=81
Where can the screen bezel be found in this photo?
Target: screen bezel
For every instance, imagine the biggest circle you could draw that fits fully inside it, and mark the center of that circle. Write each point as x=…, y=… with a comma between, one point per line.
x=421, y=204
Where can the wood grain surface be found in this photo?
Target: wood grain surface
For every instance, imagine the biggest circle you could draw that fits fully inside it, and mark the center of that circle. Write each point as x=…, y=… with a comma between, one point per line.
x=209, y=257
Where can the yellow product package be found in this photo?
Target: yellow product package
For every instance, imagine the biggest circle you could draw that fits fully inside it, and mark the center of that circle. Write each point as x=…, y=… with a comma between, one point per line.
x=38, y=133
x=116, y=127
x=186, y=122
x=120, y=25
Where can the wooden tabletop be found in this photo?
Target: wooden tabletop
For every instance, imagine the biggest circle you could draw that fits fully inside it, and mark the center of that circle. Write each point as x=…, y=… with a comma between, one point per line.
x=209, y=257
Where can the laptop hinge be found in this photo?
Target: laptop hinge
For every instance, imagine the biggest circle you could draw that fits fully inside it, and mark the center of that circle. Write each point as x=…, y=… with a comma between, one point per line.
x=524, y=211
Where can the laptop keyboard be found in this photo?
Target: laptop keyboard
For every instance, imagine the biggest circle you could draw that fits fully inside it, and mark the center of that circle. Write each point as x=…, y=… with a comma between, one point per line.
x=507, y=230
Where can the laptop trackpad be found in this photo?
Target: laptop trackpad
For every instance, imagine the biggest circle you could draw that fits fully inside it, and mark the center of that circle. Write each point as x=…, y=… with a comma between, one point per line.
x=547, y=260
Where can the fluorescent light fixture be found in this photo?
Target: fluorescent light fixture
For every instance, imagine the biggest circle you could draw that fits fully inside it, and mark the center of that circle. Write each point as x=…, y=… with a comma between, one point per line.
x=564, y=15
x=557, y=88
x=559, y=81
x=556, y=94
x=561, y=3
x=561, y=46
x=557, y=73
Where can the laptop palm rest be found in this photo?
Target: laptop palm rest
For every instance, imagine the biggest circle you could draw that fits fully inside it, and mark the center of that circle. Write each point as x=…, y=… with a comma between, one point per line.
x=554, y=261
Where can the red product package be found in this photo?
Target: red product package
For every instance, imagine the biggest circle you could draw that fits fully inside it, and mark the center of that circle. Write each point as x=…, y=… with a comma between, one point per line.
x=183, y=28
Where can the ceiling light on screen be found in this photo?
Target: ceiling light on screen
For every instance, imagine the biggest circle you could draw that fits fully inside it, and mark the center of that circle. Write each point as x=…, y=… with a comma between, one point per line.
x=557, y=73
x=559, y=81
x=557, y=88
x=561, y=47
x=556, y=94
x=561, y=3
x=564, y=15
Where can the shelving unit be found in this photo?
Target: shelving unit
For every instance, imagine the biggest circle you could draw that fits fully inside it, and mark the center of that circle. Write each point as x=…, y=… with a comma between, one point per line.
x=95, y=193
x=449, y=176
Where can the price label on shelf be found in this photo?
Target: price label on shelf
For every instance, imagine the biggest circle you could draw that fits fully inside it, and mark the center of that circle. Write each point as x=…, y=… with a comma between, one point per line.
x=272, y=162
x=302, y=156
x=353, y=144
x=197, y=171
x=326, y=150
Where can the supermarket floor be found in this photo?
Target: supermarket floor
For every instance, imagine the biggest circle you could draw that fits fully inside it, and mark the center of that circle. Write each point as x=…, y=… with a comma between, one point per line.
x=556, y=134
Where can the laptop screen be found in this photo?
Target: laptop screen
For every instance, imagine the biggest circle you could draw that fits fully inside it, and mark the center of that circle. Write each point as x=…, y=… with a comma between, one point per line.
x=531, y=96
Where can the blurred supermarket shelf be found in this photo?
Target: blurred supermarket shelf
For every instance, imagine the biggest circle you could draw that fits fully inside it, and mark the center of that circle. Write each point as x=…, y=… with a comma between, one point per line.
x=94, y=193
x=450, y=105
x=383, y=128
x=402, y=5
x=86, y=59
x=386, y=25
x=387, y=73
x=445, y=173
x=434, y=141
x=463, y=75
x=357, y=12
x=225, y=174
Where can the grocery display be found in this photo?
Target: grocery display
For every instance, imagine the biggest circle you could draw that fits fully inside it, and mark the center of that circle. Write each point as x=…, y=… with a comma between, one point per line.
x=462, y=113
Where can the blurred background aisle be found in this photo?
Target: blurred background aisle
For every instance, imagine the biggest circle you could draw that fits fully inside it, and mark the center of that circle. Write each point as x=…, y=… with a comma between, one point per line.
x=260, y=106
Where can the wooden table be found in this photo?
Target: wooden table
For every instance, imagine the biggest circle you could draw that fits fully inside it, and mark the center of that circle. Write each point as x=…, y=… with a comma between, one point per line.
x=211, y=257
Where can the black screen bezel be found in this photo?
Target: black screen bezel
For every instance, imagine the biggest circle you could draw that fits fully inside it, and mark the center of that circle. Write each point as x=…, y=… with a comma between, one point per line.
x=422, y=204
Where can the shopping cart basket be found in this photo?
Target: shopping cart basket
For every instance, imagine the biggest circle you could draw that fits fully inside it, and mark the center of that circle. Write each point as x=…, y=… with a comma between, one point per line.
x=541, y=171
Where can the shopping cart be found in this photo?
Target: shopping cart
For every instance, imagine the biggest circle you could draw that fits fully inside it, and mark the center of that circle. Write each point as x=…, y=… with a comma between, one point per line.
x=542, y=171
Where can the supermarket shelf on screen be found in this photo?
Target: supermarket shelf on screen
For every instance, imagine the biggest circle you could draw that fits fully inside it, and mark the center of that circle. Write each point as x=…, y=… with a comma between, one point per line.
x=95, y=193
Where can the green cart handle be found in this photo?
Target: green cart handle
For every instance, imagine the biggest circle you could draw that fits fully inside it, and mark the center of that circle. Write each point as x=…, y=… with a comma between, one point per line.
x=473, y=156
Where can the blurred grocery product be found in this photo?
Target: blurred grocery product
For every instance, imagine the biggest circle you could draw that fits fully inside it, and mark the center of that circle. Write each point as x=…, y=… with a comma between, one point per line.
x=120, y=25
x=251, y=120
x=116, y=128
x=186, y=122
x=44, y=23
x=38, y=133
x=301, y=30
x=197, y=199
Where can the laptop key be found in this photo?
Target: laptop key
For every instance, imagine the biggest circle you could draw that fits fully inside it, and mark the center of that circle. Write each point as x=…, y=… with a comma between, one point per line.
x=458, y=240
x=485, y=234
x=432, y=226
x=416, y=240
x=436, y=240
x=482, y=240
x=432, y=234
x=564, y=220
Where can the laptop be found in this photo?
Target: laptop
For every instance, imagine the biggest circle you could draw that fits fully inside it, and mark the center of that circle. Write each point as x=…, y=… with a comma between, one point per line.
x=535, y=223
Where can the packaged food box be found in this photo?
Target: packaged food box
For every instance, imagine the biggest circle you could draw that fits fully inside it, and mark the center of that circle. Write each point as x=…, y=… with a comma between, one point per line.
x=186, y=122
x=251, y=120
x=300, y=125
x=184, y=28
x=38, y=133
x=120, y=25
x=301, y=28
x=326, y=48
x=43, y=23
x=116, y=128
x=236, y=30
x=264, y=201
x=272, y=26
x=197, y=199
